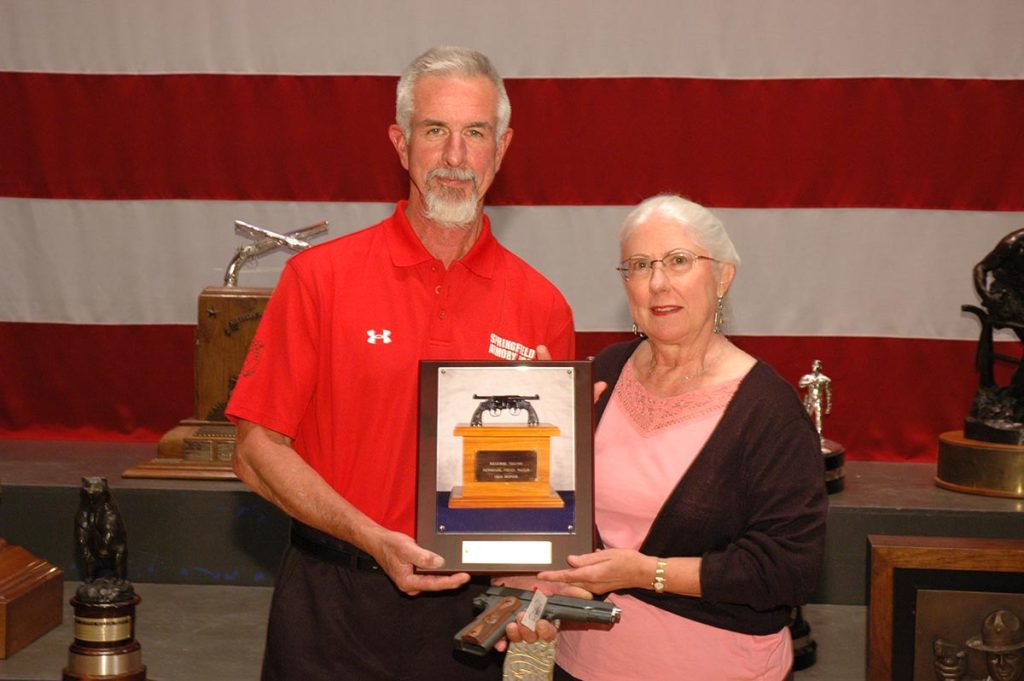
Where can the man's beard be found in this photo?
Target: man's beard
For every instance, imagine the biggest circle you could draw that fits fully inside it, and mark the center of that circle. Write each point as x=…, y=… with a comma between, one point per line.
x=451, y=206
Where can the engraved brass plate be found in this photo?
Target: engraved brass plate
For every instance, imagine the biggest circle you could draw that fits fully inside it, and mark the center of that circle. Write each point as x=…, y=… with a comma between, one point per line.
x=103, y=629
x=510, y=466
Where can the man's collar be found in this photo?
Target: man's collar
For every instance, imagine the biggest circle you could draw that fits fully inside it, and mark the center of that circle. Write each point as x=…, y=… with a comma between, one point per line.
x=407, y=250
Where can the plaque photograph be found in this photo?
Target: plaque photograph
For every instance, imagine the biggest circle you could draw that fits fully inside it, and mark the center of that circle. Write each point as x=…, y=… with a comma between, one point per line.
x=505, y=464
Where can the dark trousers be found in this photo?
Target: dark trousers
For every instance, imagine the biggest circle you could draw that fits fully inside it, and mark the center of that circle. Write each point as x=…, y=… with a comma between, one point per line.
x=342, y=619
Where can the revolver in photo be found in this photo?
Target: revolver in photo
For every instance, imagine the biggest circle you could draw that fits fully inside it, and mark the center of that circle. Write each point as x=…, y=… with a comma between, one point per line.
x=501, y=605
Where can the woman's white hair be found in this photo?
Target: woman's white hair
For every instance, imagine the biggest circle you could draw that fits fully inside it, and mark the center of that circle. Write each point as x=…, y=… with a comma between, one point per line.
x=449, y=61
x=700, y=223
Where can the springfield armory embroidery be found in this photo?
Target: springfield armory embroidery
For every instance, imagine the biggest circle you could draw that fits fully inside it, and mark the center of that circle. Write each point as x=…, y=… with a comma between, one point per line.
x=507, y=349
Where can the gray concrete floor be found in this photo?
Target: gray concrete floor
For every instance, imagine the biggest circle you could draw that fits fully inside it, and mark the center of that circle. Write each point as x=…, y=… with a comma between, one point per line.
x=215, y=633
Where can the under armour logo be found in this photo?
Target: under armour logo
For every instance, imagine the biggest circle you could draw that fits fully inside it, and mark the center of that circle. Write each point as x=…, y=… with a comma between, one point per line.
x=372, y=336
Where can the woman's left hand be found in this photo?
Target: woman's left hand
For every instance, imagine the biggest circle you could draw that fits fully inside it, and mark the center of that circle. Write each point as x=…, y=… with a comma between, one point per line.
x=605, y=570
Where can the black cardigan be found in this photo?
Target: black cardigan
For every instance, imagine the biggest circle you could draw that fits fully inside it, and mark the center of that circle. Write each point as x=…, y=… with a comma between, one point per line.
x=753, y=505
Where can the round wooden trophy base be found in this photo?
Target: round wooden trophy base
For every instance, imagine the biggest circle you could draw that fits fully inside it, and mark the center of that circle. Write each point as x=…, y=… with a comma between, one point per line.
x=805, y=648
x=977, y=467
x=835, y=470
x=105, y=648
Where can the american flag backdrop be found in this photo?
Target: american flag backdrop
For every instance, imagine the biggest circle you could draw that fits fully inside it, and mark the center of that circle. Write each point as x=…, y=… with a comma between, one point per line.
x=863, y=155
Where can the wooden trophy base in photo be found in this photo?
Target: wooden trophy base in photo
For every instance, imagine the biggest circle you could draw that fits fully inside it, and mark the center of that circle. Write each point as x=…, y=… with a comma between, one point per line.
x=200, y=448
x=31, y=598
x=979, y=467
x=507, y=466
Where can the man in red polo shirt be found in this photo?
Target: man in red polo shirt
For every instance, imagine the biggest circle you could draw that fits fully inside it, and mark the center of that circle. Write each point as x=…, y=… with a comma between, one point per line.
x=326, y=401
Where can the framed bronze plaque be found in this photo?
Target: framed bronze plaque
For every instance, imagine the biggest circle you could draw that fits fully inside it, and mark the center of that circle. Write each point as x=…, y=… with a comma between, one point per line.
x=505, y=464
x=930, y=596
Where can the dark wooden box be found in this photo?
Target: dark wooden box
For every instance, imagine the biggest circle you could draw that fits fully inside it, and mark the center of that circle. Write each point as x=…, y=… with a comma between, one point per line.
x=31, y=598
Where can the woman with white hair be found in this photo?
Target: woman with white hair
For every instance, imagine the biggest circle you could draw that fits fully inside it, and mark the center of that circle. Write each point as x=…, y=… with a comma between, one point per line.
x=710, y=499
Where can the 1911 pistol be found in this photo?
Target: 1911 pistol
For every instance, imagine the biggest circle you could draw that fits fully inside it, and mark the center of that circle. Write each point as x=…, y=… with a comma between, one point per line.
x=501, y=605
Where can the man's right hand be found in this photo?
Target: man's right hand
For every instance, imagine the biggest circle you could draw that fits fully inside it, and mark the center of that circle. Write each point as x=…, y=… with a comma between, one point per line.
x=398, y=555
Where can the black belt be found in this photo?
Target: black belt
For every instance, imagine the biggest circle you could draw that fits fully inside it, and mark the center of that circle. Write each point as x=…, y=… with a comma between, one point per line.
x=333, y=550
x=330, y=549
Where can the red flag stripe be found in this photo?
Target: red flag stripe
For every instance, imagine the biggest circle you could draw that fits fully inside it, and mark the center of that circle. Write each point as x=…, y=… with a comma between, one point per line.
x=952, y=144
x=97, y=391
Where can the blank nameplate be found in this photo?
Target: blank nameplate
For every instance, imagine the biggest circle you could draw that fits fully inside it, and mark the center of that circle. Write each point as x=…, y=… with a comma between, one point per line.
x=510, y=552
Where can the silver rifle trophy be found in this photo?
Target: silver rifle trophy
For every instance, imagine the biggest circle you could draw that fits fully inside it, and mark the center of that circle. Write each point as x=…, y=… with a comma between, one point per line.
x=266, y=241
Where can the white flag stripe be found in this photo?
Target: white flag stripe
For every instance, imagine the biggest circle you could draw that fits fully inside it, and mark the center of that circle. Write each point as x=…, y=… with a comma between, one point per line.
x=698, y=38
x=817, y=272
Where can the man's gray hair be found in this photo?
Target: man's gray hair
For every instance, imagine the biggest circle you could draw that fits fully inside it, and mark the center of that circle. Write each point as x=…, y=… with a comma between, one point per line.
x=705, y=228
x=448, y=61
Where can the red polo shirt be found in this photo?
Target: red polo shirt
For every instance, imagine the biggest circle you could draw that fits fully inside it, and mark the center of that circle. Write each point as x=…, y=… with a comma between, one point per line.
x=335, y=361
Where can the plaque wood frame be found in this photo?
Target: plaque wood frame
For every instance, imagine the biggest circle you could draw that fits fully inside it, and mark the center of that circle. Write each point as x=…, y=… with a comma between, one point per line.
x=201, y=447
x=531, y=499
x=949, y=563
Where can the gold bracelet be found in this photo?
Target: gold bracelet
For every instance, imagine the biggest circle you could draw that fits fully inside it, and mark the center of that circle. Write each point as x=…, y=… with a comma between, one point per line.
x=659, y=576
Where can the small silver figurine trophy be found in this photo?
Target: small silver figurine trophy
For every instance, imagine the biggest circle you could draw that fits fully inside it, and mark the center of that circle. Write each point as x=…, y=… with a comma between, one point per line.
x=818, y=398
x=818, y=402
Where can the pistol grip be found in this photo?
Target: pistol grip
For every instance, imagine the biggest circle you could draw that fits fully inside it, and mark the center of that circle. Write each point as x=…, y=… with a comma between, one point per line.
x=480, y=635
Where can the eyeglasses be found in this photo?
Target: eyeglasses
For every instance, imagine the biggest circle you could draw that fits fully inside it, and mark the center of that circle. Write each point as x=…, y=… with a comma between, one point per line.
x=677, y=263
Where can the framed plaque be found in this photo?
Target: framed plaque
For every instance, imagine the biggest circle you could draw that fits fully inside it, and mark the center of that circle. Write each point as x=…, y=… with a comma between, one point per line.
x=929, y=589
x=505, y=464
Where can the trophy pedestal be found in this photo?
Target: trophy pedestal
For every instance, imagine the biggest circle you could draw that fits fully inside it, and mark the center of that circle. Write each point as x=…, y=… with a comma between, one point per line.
x=507, y=466
x=200, y=448
x=195, y=450
x=105, y=646
x=805, y=648
x=835, y=461
x=978, y=467
x=31, y=595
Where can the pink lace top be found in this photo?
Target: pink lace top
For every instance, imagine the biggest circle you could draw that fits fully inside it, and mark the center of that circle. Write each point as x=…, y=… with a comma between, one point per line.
x=643, y=446
x=651, y=413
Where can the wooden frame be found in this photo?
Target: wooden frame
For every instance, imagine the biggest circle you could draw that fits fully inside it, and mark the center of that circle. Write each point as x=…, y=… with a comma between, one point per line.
x=947, y=562
x=505, y=489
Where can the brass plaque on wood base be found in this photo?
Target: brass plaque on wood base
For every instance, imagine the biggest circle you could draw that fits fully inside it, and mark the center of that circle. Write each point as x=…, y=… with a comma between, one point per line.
x=31, y=598
x=977, y=467
x=195, y=450
x=507, y=466
x=201, y=447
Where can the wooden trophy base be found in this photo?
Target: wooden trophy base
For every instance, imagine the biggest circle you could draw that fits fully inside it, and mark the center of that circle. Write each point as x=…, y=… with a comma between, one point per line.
x=835, y=469
x=506, y=466
x=200, y=448
x=978, y=467
x=195, y=450
x=105, y=648
x=31, y=598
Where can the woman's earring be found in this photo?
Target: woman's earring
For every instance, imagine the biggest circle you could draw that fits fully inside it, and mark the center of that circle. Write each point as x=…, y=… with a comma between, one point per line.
x=637, y=331
x=719, y=314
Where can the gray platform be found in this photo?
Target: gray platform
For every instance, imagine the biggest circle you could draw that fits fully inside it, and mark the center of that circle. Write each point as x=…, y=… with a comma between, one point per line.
x=215, y=633
x=203, y=554
x=221, y=533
